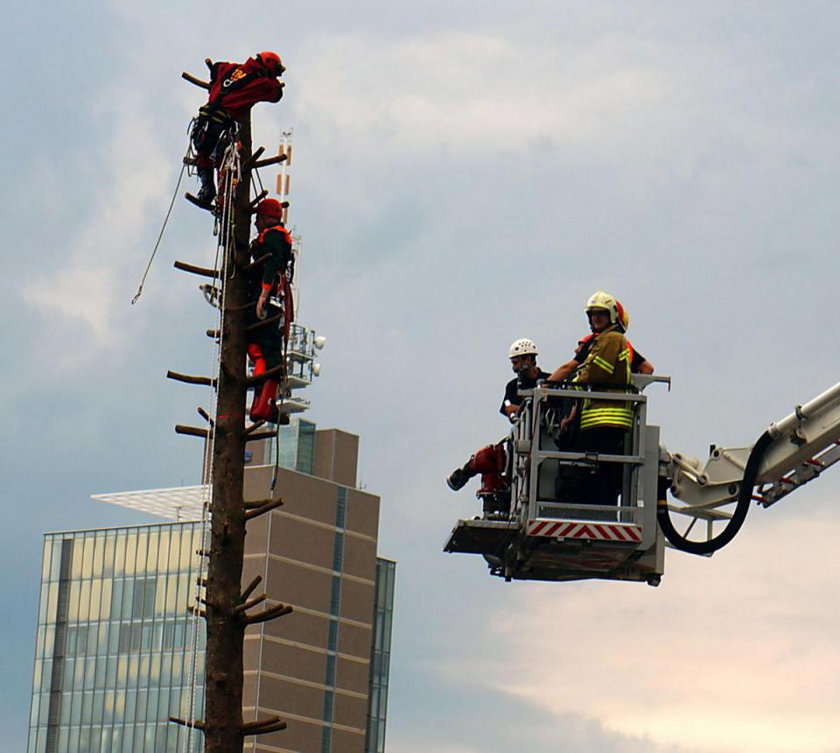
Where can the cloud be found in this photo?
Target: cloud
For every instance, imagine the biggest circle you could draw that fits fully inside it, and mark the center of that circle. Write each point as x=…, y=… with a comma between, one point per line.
x=474, y=93
x=458, y=716
x=464, y=178
x=730, y=653
x=82, y=289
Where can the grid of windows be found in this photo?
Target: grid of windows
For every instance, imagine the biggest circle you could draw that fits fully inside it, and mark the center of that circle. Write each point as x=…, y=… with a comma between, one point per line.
x=296, y=443
x=113, y=657
x=380, y=656
x=335, y=607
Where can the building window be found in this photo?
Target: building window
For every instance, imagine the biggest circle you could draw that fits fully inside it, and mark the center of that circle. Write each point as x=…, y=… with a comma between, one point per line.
x=103, y=678
x=341, y=508
x=143, y=598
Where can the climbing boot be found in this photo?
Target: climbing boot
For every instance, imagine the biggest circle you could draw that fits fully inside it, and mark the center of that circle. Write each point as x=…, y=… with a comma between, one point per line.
x=207, y=192
x=458, y=479
x=263, y=407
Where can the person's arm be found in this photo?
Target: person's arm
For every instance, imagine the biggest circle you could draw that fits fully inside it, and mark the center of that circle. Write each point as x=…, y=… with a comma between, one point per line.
x=562, y=373
x=264, y=89
x=639, y=364
x=510, y=406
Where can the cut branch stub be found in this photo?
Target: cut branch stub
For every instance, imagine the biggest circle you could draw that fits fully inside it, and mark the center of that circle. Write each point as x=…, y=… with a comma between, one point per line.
x=210, y=604
x=263, y=509
x=263, y=726
x=250, y=430
x=257, y=503
x=198, y=724
x=254, y=157
x=249, y=604
x=260, y=436
x=192, y=431
x=192, y=269
x=276, y=160
x=188, y=379
x=250, y=588
x=193, y=80
x=260, y=196
x=279, y=610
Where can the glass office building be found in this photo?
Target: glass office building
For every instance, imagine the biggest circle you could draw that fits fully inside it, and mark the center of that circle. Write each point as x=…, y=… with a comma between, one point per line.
x=118, y=653
x=380, y=658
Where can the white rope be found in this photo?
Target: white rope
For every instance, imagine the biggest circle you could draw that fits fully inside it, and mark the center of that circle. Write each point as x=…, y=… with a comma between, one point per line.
x=160, y=234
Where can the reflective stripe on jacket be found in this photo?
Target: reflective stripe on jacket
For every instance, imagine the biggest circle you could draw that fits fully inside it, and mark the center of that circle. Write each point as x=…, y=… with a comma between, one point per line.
x=606, y=368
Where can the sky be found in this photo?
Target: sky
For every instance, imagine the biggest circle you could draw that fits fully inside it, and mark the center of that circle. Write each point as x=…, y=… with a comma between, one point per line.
x=465, y=174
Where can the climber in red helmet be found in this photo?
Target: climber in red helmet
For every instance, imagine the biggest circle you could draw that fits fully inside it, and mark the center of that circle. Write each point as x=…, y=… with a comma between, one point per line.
x=234, y=89
x=271, y=295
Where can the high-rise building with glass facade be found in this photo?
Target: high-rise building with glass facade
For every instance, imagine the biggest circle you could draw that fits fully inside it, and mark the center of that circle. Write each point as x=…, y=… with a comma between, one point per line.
x=118, y=653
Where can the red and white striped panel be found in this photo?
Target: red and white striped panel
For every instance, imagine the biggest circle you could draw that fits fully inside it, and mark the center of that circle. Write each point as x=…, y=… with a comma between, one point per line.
x=564, y=529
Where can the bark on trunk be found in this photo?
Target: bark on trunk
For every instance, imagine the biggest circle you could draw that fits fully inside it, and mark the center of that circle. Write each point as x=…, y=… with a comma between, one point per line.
x=223, y=728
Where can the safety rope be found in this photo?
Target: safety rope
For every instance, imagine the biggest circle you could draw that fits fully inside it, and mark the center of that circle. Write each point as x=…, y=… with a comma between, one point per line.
x=225, y=253
x=256, y=174
x=160, y=234
x=279, y=405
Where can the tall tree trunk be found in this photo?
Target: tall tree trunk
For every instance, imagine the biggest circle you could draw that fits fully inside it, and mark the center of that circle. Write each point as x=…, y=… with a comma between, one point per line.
x=226, y=631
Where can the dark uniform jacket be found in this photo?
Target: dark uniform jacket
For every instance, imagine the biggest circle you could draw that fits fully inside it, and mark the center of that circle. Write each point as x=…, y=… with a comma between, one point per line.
x=519, y=383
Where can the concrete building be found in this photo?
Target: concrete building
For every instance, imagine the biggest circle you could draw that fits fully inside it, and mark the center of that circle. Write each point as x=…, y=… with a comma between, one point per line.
x=117, y=653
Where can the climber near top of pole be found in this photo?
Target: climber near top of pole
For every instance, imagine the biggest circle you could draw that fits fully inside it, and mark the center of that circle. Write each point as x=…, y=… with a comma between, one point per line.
x=234, y=89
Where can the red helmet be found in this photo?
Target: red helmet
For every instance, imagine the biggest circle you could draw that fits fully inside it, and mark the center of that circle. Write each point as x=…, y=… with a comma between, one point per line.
x=623, y=316
x=271, y=62
x=271, y=208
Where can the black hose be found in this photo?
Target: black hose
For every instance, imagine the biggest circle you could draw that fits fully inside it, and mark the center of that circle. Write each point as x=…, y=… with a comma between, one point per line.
x=738, y=517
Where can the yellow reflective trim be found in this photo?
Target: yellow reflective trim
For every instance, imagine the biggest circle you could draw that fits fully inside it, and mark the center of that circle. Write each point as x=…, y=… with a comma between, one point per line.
x=605, y=365
x=592, y=422
x=590, y=417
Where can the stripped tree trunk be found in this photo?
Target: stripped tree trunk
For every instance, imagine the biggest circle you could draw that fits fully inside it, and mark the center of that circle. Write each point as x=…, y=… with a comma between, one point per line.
x=223, y=724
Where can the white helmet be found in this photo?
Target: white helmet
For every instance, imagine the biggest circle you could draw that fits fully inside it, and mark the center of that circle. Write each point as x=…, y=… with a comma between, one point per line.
x=603, y=301
x=523, y=347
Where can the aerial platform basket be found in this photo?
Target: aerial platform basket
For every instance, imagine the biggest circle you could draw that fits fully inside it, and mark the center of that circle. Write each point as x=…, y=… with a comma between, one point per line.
x=551, y=535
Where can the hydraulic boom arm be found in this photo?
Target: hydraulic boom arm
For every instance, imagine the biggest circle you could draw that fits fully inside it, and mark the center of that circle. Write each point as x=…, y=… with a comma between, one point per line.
x=787, y=455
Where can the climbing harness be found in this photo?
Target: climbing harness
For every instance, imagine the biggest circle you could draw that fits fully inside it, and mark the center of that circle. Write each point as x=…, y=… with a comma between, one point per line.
x=212, y=294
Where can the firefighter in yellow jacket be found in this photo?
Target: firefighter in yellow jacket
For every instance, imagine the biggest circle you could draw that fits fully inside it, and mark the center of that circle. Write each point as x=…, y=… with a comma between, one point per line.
x=604, y=423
